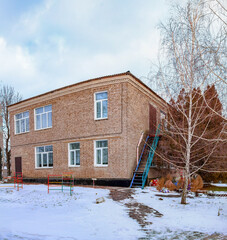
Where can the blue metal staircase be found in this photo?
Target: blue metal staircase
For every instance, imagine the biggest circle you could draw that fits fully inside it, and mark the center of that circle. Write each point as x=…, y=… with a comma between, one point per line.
x=144, y=164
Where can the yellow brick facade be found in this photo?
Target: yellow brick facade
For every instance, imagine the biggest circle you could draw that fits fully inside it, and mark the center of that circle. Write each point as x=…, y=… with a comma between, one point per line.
x=73, y=121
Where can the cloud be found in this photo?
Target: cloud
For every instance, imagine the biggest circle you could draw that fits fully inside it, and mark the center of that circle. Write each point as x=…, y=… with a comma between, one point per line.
x=15, y=63
x=55, y=43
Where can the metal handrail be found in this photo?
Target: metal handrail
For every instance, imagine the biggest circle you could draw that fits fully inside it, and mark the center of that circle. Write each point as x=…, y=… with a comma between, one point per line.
x=139, y=162
x=150, y=156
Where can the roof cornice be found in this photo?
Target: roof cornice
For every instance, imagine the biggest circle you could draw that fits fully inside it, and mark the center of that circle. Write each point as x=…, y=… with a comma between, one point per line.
x=91, y=83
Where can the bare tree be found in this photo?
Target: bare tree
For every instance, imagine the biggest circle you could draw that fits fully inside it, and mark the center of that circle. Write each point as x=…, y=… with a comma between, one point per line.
x=217, y=46
x=219, y=10
x=1, y=147
x=1, y=165
x=7, y=96
x=188, y=68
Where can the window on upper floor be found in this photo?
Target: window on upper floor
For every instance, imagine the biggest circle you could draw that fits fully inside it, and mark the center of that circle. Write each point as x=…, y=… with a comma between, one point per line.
x=101, y=153
x=44, y=156
x=101, y=105
x=74, y=154
x=43, y=117
x=163, y=120
x=22, y=122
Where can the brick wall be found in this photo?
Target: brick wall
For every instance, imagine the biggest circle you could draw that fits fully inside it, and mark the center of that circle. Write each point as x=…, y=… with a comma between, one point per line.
x=138, y=120
x=73, y=121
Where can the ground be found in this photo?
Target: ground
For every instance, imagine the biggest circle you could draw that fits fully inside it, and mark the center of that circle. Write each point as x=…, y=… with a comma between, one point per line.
x=31, y=213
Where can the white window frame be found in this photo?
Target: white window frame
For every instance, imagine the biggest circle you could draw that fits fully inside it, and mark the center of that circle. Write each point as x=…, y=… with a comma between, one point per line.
x=95, y=153
x=41, y=117
x=95, y=106
x=36, y=166
x=20, y=120
x=72, y=150
x=163, y=119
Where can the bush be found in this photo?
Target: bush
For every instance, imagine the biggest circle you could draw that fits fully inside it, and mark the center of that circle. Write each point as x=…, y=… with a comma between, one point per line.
x=197, y=183
x=160, y=184
x=213, y=177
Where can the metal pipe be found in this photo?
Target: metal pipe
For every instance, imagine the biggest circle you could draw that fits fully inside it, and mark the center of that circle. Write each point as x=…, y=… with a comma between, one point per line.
x=137, y=148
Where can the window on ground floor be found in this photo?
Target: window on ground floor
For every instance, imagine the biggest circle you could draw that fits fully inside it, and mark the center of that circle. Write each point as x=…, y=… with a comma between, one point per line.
x=101, y=153
x=153, y=163
x=165, y=164
x=44, y=156
x=74, y=154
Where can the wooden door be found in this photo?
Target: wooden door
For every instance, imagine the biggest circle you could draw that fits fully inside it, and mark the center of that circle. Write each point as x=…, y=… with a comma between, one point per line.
x=152, y=119
x=18, y=164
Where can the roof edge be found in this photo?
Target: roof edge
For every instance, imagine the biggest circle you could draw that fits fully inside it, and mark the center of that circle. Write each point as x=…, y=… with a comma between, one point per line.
x=87, y=81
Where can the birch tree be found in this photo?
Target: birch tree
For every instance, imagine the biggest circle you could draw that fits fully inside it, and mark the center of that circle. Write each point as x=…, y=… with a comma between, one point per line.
x=7, y=96
x=192, y=59
x=1, y=165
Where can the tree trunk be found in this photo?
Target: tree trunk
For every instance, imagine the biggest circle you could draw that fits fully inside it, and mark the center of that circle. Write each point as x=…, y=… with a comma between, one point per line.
x=184, y=193
x=0, y=163
x=8, y=152
x=8, y=156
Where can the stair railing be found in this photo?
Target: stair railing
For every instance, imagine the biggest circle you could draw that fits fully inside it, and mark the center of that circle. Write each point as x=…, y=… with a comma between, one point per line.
x=141, y=155
x=150, y=156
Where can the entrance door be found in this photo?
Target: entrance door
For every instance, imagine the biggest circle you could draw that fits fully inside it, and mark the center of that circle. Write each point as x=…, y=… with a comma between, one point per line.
x=152, y=119
x=18, y=164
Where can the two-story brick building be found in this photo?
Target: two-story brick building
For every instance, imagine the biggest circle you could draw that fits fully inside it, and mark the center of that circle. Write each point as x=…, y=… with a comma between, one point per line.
x=90, y=128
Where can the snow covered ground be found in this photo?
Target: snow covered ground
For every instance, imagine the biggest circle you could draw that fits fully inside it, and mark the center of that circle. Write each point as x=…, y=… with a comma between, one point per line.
x=33, y=214
x=219, y=184
x=200, y=215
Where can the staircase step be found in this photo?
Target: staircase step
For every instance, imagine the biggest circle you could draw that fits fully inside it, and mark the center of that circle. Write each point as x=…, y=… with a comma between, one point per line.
x=145, y=160
x=137, y=182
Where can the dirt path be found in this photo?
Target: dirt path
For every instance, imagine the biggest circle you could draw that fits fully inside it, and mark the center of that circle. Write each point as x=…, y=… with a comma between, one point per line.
x=140, y=212
x=136, y=210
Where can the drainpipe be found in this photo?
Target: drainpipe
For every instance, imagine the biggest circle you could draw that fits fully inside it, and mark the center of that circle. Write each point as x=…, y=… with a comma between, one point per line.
x=137, y=148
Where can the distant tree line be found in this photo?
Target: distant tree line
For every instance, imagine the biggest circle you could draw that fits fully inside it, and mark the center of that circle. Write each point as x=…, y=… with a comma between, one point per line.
x=8, y=96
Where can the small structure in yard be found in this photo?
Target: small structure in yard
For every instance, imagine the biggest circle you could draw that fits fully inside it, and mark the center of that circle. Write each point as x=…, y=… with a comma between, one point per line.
x=17, y=181
x=61, y=182
x=94, y=179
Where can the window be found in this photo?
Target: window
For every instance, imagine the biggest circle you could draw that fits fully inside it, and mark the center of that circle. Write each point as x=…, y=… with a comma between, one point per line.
x=101, y=105
x=101, y=153
x=153, y=164
x=163, y=120
x=44, y=157
x=165, y=164
x=74, y=154
x=22, y=122
x=43, y=117
x=172, y=166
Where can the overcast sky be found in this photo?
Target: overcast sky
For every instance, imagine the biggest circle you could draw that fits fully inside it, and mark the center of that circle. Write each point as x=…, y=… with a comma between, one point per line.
x=47, y=44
